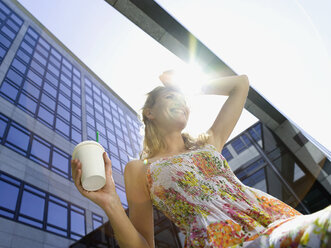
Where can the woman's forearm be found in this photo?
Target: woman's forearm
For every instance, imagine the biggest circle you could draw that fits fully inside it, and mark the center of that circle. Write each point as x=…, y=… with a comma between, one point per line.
x=225, y=85
x=125, y=233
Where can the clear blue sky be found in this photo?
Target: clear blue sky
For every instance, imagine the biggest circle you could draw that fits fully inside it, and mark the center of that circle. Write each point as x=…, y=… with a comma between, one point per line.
x=284, y=47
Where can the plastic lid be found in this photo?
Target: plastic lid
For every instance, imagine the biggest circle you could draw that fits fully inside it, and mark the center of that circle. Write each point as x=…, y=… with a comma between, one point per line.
x=87, y=142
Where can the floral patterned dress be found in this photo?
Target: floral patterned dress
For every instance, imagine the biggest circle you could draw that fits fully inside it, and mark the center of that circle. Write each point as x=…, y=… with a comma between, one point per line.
x=200, y=194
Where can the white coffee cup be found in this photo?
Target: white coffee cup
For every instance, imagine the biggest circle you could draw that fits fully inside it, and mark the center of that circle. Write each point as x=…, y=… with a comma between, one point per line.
x=90, y=154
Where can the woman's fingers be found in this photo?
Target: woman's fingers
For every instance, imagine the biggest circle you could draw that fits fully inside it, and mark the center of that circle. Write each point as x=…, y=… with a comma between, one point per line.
x=107, y=164
x=76, y=174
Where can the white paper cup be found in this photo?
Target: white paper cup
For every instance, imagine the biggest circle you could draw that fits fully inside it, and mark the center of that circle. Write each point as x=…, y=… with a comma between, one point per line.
x=89, y=153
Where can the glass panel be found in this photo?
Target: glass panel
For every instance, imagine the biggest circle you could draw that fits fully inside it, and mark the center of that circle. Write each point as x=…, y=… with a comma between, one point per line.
x=62, y=126
x=37, y=67
x=77, y=99
x=17, y=19
x=3, y=125
x=238, y=145
x=49, y=88
x=53, y=69
x=34, y=78
x=64, y=100
x=5, y=41
x=44, y=43
x=52, y=79
x=77, y=223
x=57, y=215
x=31, y=89
x=9, y=90
x=63, y=112
x=257, y=180
x=33, y=33
x=30, y=41
x=40, y=58
x=56, y=54
x=8, y=32
x=22, y=55
x=8, y=195
x=26, y=47
x=60, y=160
x=115, y=163
x=18, y=137
x=76, y=135
x=19, y=66
x=48, y=101
x=46, y=116
x=76, y=109
x=32, y=205
x=96, y=224
x=27, y=103
x=40, y=149
x=15, y=77
x=76, y=122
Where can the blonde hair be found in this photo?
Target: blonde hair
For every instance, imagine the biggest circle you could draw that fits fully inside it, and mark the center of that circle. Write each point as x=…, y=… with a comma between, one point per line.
x=153, y=141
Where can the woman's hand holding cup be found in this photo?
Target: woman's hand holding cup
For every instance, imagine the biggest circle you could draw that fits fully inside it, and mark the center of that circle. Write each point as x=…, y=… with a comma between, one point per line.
x=102, y=197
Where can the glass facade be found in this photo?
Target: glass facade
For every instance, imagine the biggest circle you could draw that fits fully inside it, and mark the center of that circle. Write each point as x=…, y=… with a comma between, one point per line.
x=44, y=84
x=51, y=87
x=27, y=204
x=10, y=24
x=17, y=138
x=118, y=132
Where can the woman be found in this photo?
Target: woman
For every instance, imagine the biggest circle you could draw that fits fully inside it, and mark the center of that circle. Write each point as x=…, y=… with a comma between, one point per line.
x=191, y=183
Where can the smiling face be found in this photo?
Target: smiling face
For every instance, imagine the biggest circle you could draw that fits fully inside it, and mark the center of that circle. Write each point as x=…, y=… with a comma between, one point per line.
x=169, y=111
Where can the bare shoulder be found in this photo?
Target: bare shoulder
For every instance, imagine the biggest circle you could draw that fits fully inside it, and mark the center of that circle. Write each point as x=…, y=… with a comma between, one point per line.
x=136, y=170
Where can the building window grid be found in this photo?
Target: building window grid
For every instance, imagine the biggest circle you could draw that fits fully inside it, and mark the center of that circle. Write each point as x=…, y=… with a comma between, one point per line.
x=10, y=24
x=52, y=123
x=27, y=152
x=90, y=88
x=18, y=216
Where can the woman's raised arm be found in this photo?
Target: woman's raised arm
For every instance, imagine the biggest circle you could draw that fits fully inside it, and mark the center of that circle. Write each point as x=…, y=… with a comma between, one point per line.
x=236, y=87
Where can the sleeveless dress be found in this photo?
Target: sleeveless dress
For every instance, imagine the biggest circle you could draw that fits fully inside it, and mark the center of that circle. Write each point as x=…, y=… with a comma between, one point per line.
x=200, y=194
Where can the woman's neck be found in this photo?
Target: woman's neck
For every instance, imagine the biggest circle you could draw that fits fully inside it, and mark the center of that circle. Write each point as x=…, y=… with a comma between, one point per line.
x=174, y=144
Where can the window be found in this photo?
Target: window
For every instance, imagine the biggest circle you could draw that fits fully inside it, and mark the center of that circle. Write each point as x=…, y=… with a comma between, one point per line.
x=18, y=138
x=116, y=163
x=76, y=135
x=14, y=77
x=33, y=211
x=255, y=132
x=64, y=100
x=76, y=122
x=32, y=207
x=3, y=125
x=77, y=225
x=226, y=153
x=44, y=43
x=34, y=78
x=23, y=56
x=257, y=180
x=46, y=116
x=40, y=151
x=76, y=99
x=48, y=101
x=57, y=216
x=27, y=103
x=20, y=67
x=39, y=58
x=63, y=112
x=31, y=89
x=9, y=91
x=26, y=46
x=62, y=127
x=8, y=197
x=49, y=88
x=238, y=145
x=96, y=220
x=76, y=109
x=60, y=161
